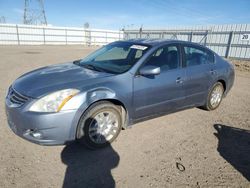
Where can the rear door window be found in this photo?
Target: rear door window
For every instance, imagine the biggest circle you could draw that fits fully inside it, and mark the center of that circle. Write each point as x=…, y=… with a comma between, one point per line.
x=197, y=56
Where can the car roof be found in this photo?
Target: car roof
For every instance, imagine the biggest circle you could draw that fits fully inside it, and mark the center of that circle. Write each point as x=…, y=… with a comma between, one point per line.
x=156, y=42
x=159, y=42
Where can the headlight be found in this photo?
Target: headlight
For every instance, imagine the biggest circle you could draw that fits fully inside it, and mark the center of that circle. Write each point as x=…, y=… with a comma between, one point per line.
x=54, y=102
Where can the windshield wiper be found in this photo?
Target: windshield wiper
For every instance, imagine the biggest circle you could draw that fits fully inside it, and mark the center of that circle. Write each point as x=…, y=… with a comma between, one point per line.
x=92, y=67
x=76, y=62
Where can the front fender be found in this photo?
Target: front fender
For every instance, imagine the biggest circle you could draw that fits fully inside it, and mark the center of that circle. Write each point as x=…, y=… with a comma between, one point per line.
x=84, y=100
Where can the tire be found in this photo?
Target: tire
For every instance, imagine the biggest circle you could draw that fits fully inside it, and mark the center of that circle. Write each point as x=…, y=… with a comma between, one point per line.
x=212, y=101
x=99, y=125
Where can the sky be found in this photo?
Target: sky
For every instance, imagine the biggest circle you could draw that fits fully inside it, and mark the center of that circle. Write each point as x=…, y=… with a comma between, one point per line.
x=132, y=14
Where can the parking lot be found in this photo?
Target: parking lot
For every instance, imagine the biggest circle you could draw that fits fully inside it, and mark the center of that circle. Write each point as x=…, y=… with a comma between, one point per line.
x=189, y=148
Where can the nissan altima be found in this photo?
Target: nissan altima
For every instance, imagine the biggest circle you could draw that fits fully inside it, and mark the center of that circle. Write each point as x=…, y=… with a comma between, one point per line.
x=90, y=100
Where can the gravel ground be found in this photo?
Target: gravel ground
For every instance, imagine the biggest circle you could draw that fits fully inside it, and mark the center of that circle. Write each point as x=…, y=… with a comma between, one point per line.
x=190, y=148
x=241, y=65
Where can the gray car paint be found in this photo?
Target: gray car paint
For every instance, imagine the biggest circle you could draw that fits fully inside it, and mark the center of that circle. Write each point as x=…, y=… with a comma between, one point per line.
x=141, y=96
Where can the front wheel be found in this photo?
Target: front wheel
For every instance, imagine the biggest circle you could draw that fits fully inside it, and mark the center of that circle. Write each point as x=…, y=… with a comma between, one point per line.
x=99, y=125
x=214, y=97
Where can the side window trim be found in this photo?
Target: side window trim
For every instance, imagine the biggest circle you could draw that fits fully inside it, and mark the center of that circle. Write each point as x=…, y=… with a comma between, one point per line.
x=179, y=54
x=184, y=58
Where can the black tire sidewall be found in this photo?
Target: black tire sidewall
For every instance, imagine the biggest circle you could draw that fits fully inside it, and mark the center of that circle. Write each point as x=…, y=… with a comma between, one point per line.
x=84, y=123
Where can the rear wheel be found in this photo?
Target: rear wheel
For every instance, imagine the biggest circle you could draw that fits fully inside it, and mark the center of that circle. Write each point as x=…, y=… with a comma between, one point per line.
x=214, y=97
x=99, y=125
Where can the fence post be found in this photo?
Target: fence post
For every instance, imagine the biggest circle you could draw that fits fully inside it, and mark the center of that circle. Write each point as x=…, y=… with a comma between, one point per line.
x=229, y=43
x=140, y=32
x=126, y=35
x=88, y=37
x=66, y=36
x=17, y=33
x=44, y=36
x=106, y=37
x=205, y=40
x=191, y=36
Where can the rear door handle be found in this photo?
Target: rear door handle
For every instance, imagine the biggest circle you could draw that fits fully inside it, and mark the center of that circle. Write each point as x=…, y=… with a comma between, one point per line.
x=179, y=80
x=212, y=71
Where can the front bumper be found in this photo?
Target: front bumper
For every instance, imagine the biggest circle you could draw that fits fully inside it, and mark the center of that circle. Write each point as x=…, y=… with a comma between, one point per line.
x=50, y=128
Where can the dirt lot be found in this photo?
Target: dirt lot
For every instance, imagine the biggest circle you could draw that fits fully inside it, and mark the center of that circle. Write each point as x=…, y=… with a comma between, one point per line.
x=210, y=148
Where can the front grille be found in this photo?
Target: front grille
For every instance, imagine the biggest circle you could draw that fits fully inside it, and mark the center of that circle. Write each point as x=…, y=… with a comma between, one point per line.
x=16, y=98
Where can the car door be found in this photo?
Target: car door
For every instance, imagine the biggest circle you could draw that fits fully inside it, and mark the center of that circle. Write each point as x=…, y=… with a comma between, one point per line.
x=160, y=93
x=200, y=74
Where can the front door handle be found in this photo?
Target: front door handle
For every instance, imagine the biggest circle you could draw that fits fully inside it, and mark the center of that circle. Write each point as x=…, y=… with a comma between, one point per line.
x=179, y=80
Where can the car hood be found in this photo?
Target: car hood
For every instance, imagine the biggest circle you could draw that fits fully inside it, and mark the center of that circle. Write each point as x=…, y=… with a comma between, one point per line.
x=53, y=78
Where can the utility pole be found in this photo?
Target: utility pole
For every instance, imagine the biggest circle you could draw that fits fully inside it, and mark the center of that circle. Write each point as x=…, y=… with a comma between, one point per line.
x=34, y=13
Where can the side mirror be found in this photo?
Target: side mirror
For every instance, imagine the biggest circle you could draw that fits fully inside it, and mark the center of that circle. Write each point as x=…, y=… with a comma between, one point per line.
x=150, y=70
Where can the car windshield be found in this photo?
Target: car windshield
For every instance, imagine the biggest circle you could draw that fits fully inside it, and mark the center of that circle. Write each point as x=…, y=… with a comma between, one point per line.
x=116, y=58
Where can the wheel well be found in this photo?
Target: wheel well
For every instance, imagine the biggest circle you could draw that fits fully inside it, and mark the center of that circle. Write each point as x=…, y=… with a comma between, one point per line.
x=123, y=110
x=116, y=102
x=223, y=83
